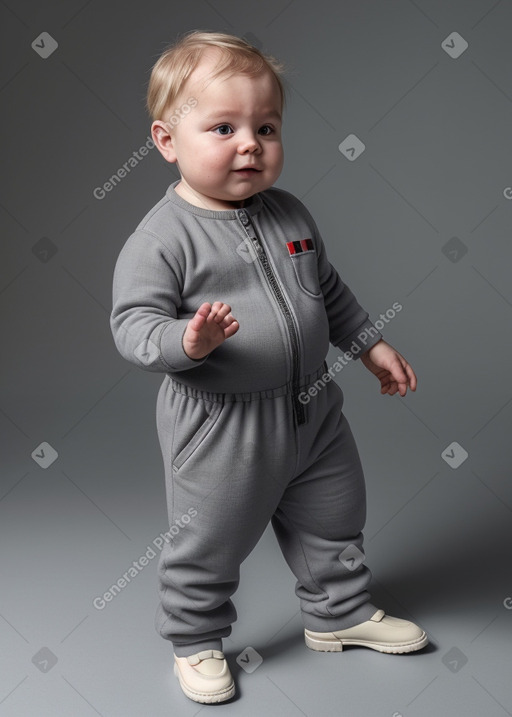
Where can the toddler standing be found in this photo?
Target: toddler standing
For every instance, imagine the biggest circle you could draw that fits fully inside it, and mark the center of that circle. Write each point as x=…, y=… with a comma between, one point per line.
x=226, y=288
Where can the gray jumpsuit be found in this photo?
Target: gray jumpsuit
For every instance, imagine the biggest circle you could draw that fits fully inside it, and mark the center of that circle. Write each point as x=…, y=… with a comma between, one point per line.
x=254, y=431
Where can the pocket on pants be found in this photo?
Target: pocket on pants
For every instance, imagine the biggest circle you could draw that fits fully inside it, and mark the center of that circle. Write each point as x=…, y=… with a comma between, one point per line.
x=195, y=420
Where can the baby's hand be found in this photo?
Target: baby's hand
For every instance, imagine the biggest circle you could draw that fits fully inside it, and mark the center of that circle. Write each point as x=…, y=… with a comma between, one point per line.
x=391, y=368
x=211, y=325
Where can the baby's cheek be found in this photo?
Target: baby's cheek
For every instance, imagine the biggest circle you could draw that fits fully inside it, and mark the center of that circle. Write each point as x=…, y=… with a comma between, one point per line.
x=278, y=160
x=217, y=152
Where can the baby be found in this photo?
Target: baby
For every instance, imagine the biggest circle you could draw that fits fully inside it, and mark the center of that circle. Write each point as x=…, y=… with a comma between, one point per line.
x=226, y=288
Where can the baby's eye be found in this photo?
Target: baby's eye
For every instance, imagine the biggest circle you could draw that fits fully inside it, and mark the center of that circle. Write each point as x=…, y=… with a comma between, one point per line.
x=223, y=129
x=266, y=129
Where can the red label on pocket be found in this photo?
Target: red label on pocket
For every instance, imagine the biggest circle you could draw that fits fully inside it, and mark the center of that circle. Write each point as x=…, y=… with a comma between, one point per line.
x=296, y=247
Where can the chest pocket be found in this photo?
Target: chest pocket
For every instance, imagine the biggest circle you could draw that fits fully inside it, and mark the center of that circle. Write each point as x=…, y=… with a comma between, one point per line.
x=304, y=260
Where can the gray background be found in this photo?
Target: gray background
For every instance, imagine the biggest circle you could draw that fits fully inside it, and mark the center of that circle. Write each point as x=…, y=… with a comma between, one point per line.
x=421, y=217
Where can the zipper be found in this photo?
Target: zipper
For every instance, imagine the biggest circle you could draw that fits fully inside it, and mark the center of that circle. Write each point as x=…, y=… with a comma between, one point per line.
x=299, y=411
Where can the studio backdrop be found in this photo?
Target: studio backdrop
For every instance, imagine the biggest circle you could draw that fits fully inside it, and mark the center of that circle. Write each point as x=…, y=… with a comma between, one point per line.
x=397, y=139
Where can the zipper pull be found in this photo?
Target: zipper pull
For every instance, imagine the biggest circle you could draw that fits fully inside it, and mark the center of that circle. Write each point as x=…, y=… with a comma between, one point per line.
x=249, y=230
x=259, y=248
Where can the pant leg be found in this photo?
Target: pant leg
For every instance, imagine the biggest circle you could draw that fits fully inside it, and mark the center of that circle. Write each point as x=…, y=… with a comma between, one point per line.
x=320, y=519
x=219, y=470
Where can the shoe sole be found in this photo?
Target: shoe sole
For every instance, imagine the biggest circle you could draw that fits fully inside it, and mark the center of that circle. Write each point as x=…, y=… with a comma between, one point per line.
x=205, y=697
x=337, y=645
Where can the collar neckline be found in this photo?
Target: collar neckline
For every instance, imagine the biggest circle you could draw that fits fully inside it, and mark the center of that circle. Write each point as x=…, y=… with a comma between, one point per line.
x=253, y=205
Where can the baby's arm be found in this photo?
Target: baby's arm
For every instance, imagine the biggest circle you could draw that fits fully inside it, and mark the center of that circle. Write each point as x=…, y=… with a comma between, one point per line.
x=351, y=329
x=146, y=297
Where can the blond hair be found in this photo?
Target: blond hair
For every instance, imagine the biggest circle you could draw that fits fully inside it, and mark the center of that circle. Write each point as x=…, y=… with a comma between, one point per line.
x=178, y=61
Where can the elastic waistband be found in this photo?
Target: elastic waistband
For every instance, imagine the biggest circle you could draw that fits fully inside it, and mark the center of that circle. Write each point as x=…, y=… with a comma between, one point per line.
x=286, y=388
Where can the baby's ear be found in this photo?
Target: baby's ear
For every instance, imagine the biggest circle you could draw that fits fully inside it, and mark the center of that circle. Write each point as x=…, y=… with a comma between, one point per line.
x=163, y=139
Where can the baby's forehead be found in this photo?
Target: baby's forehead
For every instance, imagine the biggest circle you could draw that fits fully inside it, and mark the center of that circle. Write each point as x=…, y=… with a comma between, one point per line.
x=207, y=68
x=211, y=69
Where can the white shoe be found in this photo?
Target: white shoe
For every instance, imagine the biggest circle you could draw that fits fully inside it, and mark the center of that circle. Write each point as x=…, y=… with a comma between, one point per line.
x=380, y=632
x=205, y=676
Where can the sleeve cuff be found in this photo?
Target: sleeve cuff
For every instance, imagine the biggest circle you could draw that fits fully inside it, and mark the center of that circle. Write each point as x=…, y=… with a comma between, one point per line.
x=171, y=347
x=362, y=339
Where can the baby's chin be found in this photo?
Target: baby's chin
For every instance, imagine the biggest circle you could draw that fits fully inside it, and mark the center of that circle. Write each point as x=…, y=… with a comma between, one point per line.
x=237, y=196
x=246, y=193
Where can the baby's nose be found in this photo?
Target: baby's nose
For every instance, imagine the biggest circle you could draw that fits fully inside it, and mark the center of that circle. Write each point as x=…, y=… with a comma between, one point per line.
x=249, y=142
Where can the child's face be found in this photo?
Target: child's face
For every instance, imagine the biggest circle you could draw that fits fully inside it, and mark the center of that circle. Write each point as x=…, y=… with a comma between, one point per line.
x=236, y=124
